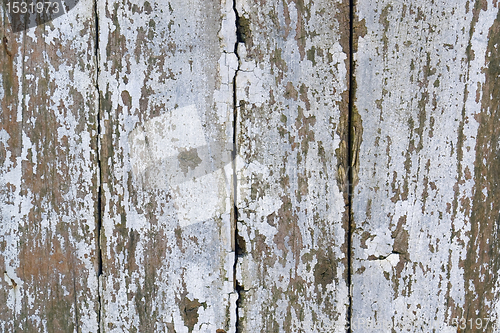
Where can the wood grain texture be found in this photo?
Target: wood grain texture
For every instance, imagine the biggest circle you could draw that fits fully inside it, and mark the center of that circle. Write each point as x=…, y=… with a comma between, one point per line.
x=426, y=207
x=166, y=74
x=292, y=91
x=424, y=153
x=48, y=176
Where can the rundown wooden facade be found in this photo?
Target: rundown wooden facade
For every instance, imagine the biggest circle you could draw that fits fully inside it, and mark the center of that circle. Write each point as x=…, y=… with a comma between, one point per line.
x=251, y=166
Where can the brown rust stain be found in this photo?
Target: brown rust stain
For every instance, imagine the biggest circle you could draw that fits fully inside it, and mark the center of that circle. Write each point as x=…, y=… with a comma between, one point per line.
x=45, y=270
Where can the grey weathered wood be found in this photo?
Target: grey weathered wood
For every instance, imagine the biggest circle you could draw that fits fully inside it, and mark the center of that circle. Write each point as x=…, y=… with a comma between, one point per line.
x=166, y=73
x=292, y=94
x=426, y=207
x=425, y=168
x=48, y=176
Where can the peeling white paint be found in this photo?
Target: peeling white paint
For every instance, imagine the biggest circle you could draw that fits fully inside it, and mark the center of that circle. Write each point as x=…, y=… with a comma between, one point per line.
x=276, y=78
x=29, y=221
x=198, y=186
x=411, y=176
x=170, y=89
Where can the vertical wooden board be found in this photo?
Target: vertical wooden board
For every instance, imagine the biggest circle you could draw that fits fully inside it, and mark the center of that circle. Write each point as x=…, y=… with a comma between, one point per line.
x=292, y=93
x=426, y=207
x=48, y=175
x=166, y=73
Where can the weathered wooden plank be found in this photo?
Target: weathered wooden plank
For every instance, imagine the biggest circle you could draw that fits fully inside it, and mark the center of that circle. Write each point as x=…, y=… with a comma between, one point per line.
x=48, y=175
x=292, y=93
x=166, y=74
x=426, y=207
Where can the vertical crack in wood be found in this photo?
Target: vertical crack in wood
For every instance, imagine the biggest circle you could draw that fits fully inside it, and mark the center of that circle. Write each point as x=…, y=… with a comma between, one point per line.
x=350, y=154
x=98, y=154
x=237, y=287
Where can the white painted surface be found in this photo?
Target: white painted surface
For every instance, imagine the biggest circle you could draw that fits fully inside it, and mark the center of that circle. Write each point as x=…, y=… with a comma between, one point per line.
x=198, y=185
x=289, y=90
x=166, y=73
x=416, y=177
x=48, y=170
x=166, y=82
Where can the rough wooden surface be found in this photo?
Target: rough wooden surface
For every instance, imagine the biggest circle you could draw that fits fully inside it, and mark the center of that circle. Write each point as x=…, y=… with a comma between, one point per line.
x=48, y=176
x=292, y=89
x=426, y=207
x=177, y=203
x=166, y=74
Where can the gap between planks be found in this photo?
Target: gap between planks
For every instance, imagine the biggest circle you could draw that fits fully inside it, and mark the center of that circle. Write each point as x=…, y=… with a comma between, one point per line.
x=99, y=170
x=237, y=287
x=237, y=250
x=350, y=177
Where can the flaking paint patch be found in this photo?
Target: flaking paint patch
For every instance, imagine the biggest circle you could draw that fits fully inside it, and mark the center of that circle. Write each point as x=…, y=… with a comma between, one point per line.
x=159, y=152
x=289, y=203
x=186, y=61
x=481, y=265
x=48, y=244
x=413, y=178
